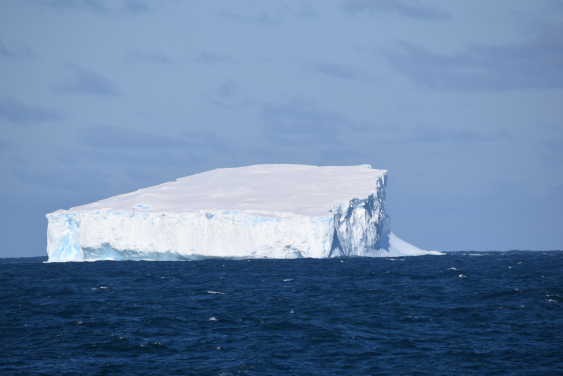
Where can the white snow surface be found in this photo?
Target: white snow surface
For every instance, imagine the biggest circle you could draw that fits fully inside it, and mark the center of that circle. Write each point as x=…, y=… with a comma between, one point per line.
x=262, y=211
x=267, y=189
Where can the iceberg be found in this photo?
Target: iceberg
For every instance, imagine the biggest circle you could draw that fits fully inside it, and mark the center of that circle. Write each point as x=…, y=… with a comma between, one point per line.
x=261, y=211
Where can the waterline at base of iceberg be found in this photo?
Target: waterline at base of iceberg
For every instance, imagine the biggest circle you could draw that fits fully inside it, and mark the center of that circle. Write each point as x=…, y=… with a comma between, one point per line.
x=397, y=248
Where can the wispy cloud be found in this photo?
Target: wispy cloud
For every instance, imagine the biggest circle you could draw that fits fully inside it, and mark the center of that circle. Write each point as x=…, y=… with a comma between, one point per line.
x=142, y=158
x=84, y=81
x=262, y=17
x=18, y=52
x=112, y=137
x=228, y=88
x=298, y=123
x=427, y=134
x=554, y=146
x=213, y=57
x=533, y=64
x=339, y=70
x=274, y=15
x=18, y=112
x=82, y=179
x=97, y=6
x=339, y=154
x=4, y=144
x=147, y=56
x=412, y=8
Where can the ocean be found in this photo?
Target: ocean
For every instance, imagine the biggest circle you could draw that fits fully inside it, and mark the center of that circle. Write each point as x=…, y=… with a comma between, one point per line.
x=464, y=313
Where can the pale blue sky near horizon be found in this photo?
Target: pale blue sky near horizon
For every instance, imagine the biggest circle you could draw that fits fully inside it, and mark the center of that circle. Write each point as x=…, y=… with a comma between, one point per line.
x=461, y=101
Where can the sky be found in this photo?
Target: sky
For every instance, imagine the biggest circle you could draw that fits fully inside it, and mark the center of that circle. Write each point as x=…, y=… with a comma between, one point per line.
x=461, y=101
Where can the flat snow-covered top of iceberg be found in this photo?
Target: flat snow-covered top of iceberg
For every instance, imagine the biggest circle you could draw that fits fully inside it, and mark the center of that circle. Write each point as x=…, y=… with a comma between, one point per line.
x=298, y=189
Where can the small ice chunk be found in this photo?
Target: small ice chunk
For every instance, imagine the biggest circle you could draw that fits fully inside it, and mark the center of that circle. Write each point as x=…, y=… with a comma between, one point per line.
x=212, y=319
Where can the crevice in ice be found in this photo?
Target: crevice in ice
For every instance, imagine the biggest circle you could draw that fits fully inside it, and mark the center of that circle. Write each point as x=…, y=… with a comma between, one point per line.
x=336, y=248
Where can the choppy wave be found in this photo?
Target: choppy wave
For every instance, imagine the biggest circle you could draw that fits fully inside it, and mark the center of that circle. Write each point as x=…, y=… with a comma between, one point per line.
x=299, y=317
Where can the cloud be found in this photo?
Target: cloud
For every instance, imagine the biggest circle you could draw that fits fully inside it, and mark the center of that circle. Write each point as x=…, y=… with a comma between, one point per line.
x=297, y=123
x=302, y=9
x=412, y=9
x=82, y=81
x=430, y=134
x=338, y=70
x=434, y=135
x=4, y=144
x=261, y=17
x=212, y=57
x=97, y=6
x=18, y=112
x=207, y=139
x=533, y=64
x=63, y=179
x=554, y=146
x=20, y=52
x=111, y=137
x=339, y=154
x=228, y=88
x=147, y=56
x=143, y=158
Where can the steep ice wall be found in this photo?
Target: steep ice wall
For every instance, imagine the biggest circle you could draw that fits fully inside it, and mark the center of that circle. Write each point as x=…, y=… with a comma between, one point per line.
x=264, y=211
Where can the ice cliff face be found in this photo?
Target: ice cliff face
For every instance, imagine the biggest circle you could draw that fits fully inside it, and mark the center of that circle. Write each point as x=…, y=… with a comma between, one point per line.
x=264, y=211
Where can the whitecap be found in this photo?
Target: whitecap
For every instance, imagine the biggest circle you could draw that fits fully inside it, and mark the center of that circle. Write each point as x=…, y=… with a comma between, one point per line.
x=215, y=292
x=452, y=268
x=212, y=319
x=462, y=276
x=287, y=280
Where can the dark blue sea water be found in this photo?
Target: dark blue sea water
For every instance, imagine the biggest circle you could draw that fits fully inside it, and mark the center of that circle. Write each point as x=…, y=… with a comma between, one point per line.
x=458, y=314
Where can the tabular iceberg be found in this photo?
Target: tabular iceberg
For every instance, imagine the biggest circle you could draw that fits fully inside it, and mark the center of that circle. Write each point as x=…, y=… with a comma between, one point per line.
x=262, y=211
